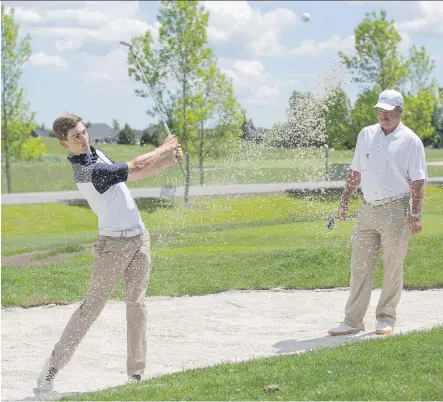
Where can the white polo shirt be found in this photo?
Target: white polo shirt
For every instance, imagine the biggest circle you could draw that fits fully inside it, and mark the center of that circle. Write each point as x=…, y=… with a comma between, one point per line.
x=388, y=163
x=101, y=180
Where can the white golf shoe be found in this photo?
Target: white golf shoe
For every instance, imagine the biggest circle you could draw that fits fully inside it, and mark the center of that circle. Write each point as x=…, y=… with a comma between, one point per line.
x=343, y=329
x=383, y=328
x=134, y=378
x=46, y=379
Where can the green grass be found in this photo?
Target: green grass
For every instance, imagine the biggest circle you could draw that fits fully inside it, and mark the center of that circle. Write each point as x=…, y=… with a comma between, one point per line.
x=254, y=242
x=403, y=368
x=66, y=249
x=252, y=163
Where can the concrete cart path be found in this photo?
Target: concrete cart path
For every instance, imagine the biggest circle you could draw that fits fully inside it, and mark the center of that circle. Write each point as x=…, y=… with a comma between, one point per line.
x=194, y=191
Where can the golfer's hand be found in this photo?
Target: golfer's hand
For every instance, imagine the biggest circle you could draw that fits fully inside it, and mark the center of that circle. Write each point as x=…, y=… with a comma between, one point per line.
x=342, y=211
x=414, y=225
x=178, y=153
x=171, y=143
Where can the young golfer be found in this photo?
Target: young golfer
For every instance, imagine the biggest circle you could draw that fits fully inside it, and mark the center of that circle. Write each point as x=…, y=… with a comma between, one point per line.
x=123, y=247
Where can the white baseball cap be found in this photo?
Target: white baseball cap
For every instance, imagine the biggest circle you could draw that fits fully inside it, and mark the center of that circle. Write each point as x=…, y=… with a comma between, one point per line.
x=389, y=99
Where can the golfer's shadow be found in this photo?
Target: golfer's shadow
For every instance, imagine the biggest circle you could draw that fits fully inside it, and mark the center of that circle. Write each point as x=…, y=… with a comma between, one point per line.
x=295, y=345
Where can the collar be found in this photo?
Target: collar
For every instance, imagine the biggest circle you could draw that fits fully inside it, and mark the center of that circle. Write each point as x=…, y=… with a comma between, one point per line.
x=84, y=159
x=395, y=133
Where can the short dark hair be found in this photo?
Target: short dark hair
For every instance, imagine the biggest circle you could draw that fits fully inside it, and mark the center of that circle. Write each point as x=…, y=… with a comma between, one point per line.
x=63, y=124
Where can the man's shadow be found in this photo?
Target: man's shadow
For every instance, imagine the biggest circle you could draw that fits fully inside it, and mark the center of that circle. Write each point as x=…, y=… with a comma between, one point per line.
x=295, y=345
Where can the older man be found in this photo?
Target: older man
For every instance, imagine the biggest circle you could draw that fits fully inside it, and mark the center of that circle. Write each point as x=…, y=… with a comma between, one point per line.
x=389, y=163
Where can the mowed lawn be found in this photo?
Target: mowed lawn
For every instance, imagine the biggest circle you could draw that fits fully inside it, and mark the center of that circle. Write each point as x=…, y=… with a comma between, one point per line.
x=252, y=163
x=253, y=242
x=399, y=368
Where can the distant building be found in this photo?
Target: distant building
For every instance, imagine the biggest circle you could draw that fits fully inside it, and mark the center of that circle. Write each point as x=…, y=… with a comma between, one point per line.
x=101, y=133
x=257, y=135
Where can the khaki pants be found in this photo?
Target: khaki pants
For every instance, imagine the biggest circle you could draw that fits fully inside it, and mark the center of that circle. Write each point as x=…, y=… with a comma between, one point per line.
x=116, y=258
x=384, y=226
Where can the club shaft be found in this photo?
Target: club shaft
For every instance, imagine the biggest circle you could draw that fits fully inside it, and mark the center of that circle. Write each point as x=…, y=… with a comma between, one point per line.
x=151, y=92
x=153, y=97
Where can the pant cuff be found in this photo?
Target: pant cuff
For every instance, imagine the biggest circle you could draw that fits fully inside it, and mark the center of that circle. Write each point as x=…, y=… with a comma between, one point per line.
x=358, y=325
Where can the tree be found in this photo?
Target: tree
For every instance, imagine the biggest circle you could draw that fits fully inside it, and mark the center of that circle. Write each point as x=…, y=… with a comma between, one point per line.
x=127, y=136
x=420, y=68
x=421, y=98
x=363, y=113
x=179, y=57
x=32, y=148
x=305, y=125
x=418, y=112
x=436, y=139
x=378, y=65
x=17, y=120
x=248, y=129
x=153, y=135
x=115, y=124
x=215, y=103
x=377, y=60
x=338, y=120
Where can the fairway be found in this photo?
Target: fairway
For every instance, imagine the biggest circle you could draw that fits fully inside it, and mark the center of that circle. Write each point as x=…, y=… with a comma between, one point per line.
x=209, y=248
x=252, y=163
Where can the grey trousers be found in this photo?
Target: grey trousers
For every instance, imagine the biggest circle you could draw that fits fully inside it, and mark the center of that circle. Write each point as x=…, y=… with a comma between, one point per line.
x=380, y=227
x=116, y=258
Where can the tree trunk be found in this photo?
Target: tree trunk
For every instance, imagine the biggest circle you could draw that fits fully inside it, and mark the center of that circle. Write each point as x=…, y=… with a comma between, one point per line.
x=188, y=178
x=185, y=134
x=200, y=157
x=7, y=164
x=326, y=162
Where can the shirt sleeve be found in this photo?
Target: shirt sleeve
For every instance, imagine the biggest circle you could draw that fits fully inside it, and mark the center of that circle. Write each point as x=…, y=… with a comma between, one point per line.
x=105, y=176
x=417, y=167
x=356, y=164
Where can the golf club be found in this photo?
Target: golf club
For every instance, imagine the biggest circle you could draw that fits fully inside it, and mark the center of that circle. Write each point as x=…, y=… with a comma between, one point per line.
x=152, y=94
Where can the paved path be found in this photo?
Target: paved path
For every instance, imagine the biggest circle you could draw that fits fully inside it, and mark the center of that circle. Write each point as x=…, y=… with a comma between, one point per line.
x=190, y=332
x=194, y=191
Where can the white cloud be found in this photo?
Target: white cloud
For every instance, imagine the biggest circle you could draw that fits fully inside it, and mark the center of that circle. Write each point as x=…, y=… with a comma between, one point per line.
x=249, y=68
x=267, y=91
x=43, y=60
x=239, y=22
x=83, y=13
x=252, y=84
x=333, y=44
x=405, y=44
x=25, y=16
x=63, y=45
x=83, y=21
x=355, y=3
x=428, y=18
x=109, y=70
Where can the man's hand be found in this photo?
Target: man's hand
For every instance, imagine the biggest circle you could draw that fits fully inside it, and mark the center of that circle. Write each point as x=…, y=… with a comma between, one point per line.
x=156, y=161
x=179, y=153
x=171, y=143
x=414, y=225
x=174, y=157
x=351, y=184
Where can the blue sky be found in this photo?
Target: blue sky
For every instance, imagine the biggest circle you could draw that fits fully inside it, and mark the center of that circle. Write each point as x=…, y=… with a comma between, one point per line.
x=77, y=65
